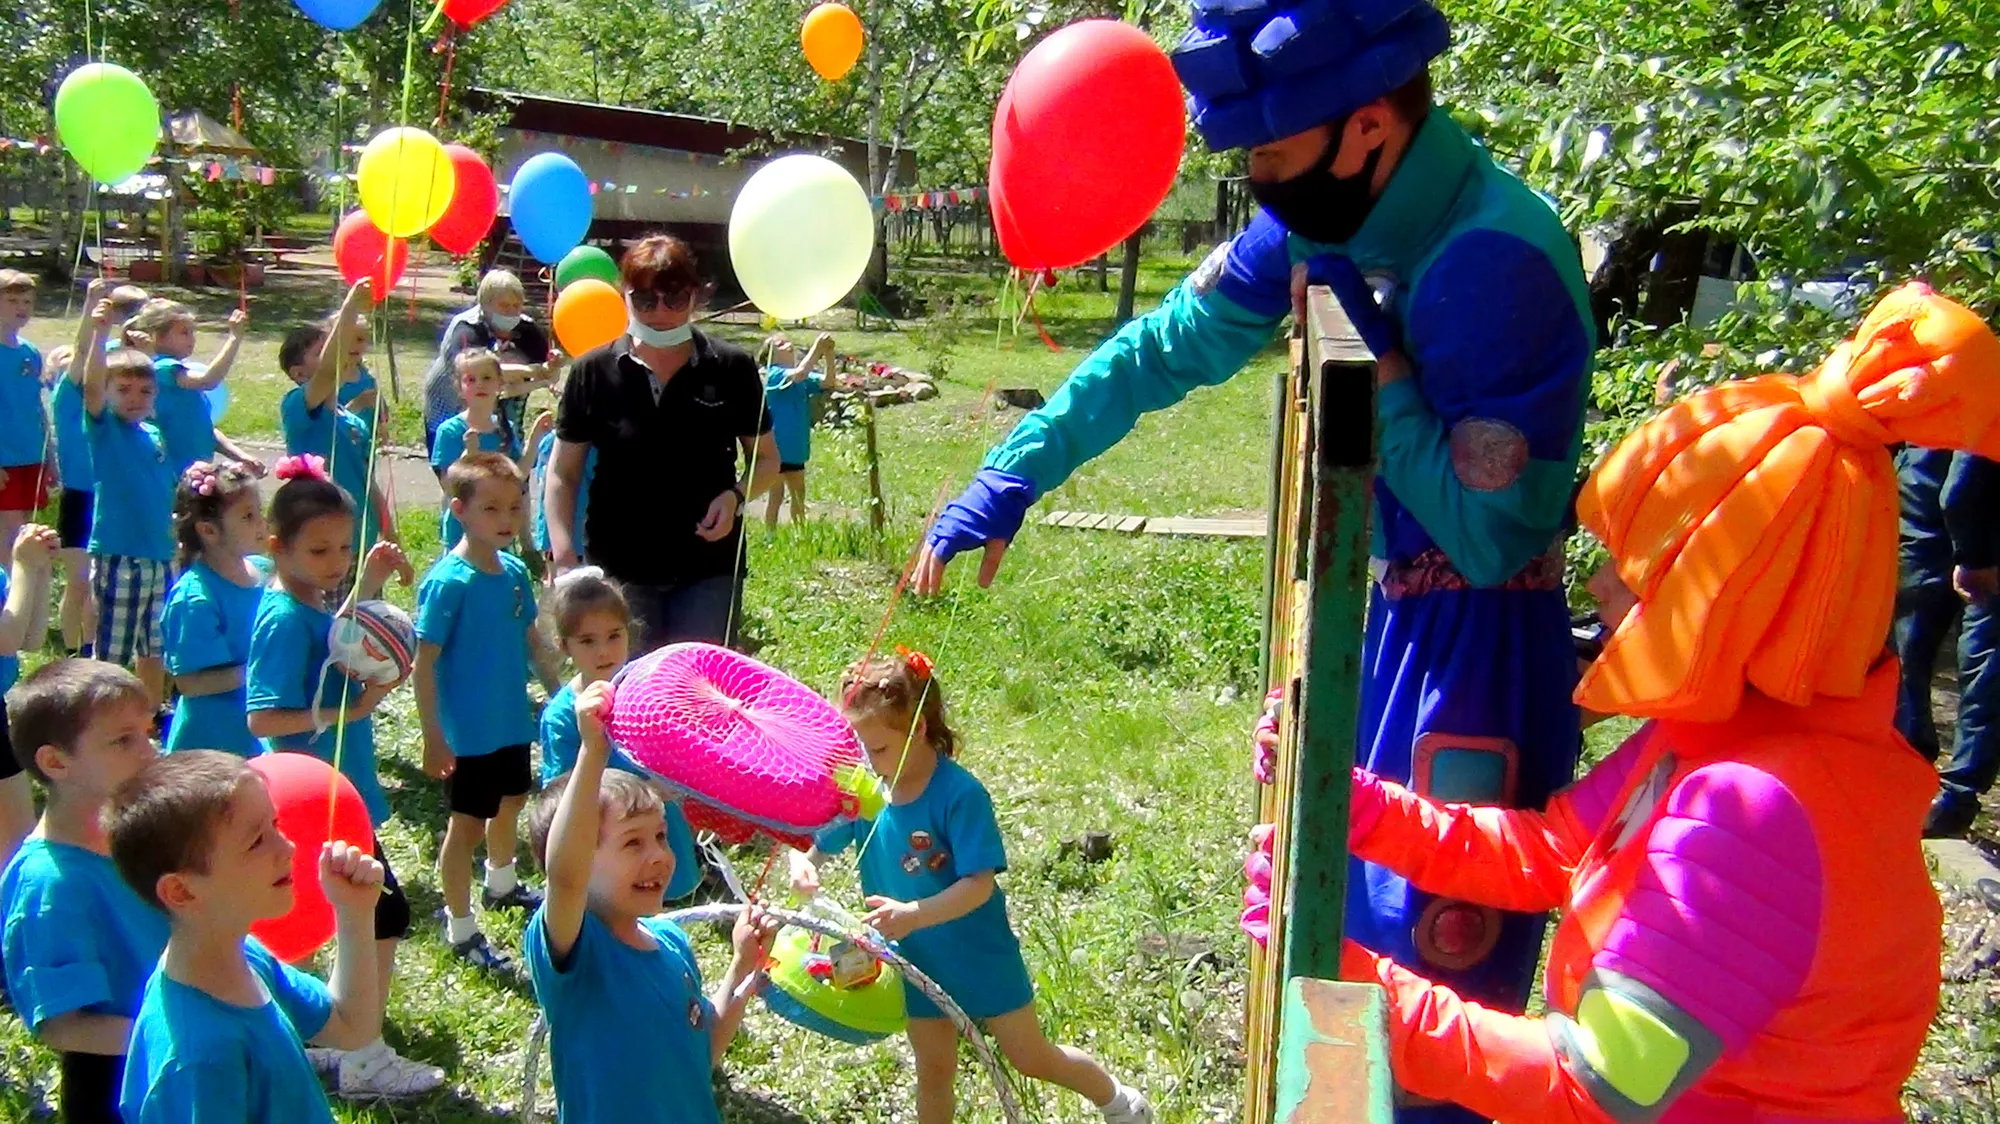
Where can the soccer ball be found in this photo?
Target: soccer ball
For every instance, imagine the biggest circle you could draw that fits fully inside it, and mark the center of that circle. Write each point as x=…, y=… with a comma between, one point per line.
x=376, y=643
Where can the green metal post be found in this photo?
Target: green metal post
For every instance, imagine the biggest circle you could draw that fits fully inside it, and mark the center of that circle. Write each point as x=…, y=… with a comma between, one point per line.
x=1342, y=402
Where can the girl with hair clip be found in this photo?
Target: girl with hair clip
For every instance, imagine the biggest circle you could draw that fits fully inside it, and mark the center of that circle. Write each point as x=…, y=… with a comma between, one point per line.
x=219, y=531
x=928, y=866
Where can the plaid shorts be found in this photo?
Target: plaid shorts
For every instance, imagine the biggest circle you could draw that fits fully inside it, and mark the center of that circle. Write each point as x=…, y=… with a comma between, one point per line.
x=130, y=594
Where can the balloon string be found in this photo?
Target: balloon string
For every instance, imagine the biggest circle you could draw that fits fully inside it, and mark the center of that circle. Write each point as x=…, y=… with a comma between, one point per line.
x=1034, y=286
x=449, y=42
x=742, y=527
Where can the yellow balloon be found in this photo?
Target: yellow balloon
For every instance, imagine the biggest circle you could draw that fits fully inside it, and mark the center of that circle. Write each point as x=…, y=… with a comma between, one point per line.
x=800, y=235
x=405, y=180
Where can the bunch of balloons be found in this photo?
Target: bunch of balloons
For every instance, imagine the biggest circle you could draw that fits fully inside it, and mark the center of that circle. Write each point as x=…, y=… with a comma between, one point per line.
x=409, y=184
x=1087, y=140
x=800, y=235
x=343, y=15
x=108, y=120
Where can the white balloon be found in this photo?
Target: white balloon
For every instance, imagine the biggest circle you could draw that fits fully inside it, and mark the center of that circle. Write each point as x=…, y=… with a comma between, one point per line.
x=800, y=236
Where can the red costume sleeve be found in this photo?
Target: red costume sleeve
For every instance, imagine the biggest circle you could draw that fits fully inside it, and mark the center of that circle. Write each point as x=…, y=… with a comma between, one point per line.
x=1508, y=858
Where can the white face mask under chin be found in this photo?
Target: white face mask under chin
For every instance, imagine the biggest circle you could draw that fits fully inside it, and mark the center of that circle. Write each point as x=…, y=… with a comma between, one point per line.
x=659, y=337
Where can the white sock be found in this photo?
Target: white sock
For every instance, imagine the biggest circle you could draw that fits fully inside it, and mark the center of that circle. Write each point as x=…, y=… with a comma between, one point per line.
x=500, y=879
x=458, y=930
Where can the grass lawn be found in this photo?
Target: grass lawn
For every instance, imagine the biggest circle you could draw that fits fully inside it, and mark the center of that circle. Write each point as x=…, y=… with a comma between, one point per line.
x=1104, y=683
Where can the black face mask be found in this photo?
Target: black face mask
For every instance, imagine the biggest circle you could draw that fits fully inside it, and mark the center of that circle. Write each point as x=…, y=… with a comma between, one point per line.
x=1316, y=204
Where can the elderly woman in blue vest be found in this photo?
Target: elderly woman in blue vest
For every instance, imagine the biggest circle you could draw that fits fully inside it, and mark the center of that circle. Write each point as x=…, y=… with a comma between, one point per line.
x=1485, y=352
x=499, y=322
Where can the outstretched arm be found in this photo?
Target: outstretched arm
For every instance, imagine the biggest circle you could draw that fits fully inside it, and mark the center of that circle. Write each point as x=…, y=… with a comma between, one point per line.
x=324, y=385
x=1713, y=940
x=218, y=369
x=1509, y=858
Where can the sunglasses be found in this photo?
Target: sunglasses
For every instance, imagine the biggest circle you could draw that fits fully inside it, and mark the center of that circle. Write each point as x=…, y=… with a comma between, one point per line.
x=646, y=300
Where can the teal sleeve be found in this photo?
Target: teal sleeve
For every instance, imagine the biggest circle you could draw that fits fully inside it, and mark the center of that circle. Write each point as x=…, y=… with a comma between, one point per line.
x=1193, y=339
x=1488, y=535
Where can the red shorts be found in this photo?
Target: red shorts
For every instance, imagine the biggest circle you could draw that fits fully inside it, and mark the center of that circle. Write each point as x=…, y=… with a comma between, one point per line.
x=26, y=489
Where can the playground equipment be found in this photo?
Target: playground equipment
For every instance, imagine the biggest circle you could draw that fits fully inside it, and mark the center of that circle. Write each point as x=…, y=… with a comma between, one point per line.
x=1317, y=1048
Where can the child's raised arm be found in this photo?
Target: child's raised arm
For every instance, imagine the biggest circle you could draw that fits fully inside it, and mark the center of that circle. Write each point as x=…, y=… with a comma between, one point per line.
x=25, y=615
x=752, y=941
x=88, y=329
x=352, y=880
x=218, y=368
x=90, y=351
x=573, y=833
x=324, y=385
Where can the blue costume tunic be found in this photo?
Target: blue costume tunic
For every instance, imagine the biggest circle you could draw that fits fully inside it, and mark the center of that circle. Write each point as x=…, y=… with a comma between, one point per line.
x=1468, y=661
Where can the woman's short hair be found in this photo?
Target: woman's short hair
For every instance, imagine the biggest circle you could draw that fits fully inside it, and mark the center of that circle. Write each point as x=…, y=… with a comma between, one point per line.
x=662, y=263
x=499, y=282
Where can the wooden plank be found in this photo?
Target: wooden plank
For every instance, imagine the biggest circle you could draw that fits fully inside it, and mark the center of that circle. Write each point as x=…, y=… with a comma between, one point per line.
x=1054, y=518
x=1333, y=1056
x=1131, y=524
x=1207, y=528
x=1075, y=517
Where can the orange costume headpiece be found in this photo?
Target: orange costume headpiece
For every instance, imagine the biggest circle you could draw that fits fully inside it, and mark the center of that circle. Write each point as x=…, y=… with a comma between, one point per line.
x=1756, y=521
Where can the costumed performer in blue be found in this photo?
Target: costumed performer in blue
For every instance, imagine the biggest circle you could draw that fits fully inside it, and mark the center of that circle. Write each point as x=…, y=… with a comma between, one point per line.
x=1466, y=287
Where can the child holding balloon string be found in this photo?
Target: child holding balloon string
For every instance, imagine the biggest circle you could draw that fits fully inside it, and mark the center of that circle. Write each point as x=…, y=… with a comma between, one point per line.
x=219, y=533
x=298, y=698
x=77, y=944
x=165, y=330
x=928, y=866
x=315, y=424
x=219, y=1034
x=480, y=428
x=632, y=1037
x=593, y=628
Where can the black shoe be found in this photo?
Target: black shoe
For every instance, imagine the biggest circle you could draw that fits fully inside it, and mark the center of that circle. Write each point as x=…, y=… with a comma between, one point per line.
x=521, y=897
x=1950, y=816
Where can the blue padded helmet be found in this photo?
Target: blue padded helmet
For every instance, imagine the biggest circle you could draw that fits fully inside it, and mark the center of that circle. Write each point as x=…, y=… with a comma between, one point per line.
x=1259, y=70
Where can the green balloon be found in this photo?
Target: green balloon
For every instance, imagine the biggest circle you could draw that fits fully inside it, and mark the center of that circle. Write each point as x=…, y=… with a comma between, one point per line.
x=586, y=261
x=108, y=120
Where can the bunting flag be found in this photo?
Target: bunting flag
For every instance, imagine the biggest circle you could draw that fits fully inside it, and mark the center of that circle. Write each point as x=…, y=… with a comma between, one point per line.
x=930, y=200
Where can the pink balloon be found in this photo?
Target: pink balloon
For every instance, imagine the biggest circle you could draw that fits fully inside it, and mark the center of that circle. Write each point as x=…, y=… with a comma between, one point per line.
x=1087, y=140
x=476, y=200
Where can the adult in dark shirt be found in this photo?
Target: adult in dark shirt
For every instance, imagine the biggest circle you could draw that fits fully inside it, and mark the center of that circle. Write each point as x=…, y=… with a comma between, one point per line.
x=668, y=409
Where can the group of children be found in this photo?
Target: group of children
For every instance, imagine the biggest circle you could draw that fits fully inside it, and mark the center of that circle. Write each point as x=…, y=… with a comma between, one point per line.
x=124, y=917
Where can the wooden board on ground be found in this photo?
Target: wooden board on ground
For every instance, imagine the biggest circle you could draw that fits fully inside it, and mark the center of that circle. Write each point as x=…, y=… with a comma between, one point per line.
x=1093, y=521
x=1208, y=528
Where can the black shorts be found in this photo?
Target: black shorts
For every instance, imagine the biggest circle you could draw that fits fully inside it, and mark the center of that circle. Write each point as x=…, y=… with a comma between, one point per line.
x=478, y=784
x=392, y=909
x=9, y=765
x=73, y=518
x=787, y=466
x=90, y=1084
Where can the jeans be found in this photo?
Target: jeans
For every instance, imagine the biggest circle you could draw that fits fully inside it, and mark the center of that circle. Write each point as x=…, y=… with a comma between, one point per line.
x=1924, y=614
x=700, y=610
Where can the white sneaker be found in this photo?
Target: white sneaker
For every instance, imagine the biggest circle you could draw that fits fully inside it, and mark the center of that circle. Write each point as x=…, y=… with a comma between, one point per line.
x=376, y=1072
x=325, y=1062
x=1128, y=1106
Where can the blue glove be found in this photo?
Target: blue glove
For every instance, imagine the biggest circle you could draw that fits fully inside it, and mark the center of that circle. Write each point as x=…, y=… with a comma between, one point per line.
x=991, y=507
x=1357, y=299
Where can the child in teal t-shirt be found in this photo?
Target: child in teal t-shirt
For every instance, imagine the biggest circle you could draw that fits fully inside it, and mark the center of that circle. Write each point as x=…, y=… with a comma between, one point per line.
x=316, y=424
x=632, y=1039
x=478, y=428
x=219, y=528
x=928, y=866
x=221, y=1032
x=593, y=628
x=789, y=383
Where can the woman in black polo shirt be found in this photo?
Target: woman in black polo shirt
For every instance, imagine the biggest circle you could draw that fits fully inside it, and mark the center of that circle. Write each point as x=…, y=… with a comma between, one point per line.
x=670, y=411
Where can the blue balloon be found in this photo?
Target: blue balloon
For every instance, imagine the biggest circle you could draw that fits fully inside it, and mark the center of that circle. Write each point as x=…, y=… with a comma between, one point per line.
x=550, y=205
x=339, y=15
x=218, y=402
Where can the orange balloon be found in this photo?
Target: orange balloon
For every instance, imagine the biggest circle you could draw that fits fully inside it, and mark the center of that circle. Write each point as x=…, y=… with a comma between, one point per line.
x=832, y=39
x=589, y=314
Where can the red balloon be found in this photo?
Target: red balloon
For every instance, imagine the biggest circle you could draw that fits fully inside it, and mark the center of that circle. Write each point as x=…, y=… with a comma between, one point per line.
x=300, y=786
x=361, y=249
x=465, y=13
x=474, y=202
x=1087, y=140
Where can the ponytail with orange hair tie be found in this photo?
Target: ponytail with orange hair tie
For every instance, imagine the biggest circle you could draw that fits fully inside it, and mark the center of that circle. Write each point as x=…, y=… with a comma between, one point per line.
x=1756, y=521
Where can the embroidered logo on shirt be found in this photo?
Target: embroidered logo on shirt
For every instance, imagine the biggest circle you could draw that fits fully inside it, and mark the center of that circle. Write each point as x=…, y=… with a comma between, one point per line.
x=920, y=840
x=912, y=864
x=1487, y=454
x=938, y=860
x=1206, y=275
